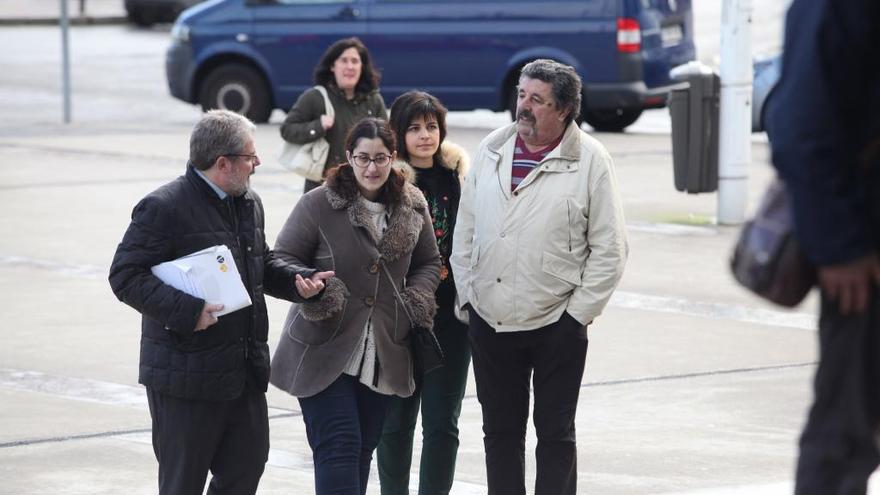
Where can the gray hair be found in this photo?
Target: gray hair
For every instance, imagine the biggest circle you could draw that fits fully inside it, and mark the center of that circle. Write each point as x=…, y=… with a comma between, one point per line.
x=218, y=133
x=564, y=79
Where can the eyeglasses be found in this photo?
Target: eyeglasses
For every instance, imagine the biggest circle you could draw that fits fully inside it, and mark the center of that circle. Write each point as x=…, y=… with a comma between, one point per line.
x=251, y=158
x=363, y=161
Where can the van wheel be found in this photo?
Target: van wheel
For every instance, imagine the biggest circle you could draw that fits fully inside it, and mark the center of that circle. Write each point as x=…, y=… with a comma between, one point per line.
x=238, y=88
x=611, y=120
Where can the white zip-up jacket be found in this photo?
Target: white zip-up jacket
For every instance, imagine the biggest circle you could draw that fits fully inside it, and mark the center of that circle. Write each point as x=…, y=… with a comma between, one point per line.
x=558, y=243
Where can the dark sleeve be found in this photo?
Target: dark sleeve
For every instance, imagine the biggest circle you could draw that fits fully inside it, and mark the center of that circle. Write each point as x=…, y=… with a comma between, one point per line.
x=146, y=243
x=813, y=120
x=423, y=277
x=424, y=268
x=303, y=122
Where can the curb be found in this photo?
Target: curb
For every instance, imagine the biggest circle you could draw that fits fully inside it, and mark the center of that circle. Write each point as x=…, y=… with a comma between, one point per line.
x=54, y=21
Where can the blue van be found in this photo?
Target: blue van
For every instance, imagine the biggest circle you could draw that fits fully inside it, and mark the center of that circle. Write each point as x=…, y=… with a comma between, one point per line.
x=253, y=56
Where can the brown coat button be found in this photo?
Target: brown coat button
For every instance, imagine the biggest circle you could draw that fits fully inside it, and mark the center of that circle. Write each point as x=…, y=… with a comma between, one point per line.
x=369, y=301
x=374, y=268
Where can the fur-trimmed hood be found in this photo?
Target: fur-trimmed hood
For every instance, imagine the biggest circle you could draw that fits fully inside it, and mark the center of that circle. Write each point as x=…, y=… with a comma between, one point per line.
x=454, y=158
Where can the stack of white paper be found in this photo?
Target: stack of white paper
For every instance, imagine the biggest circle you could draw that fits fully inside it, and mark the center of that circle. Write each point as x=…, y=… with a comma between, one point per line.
x=209, y=274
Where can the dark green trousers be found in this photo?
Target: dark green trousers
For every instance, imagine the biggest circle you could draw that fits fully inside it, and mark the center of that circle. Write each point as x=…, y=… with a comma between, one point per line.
x=440, y=393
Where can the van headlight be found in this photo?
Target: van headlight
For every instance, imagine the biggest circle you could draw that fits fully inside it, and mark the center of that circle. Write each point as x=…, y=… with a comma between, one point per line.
x=180, y=32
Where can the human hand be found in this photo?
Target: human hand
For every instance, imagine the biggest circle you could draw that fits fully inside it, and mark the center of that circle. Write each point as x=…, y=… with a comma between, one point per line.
x=207, y=318
x=850, y=283
x=327, y=121
x=309, y=287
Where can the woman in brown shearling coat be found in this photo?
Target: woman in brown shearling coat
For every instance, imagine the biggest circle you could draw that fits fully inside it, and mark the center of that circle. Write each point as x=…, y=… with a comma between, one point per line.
x=344, y=354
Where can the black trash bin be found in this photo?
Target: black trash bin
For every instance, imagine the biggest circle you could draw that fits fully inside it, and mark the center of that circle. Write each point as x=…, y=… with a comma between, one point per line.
x=694, y=113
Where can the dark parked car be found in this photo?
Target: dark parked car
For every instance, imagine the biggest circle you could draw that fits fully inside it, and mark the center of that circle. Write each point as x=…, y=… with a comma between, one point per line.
x=253, y=56
x=149, y=12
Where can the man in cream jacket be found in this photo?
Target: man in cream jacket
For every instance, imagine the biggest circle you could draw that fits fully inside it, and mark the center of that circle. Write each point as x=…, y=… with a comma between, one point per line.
x=540, y=244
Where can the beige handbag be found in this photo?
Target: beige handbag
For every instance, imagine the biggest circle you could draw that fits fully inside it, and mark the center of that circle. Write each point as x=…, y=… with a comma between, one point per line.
x=308, y=159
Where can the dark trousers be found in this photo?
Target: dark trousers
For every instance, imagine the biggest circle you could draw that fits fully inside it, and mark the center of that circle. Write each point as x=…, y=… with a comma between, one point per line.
x=343, y=425
x=503, y=365
x=190, y=437
x=440, y=393
x=838, y=445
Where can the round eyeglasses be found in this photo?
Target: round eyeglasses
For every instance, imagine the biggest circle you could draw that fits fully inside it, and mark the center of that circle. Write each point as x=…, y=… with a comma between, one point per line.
x=363, y=161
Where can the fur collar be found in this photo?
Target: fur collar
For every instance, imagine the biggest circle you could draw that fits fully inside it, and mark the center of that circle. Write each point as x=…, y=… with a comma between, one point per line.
x=454, y=158
x=404, y=224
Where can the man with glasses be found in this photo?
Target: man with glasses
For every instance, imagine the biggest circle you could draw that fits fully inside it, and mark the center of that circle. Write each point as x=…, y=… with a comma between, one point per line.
x=206, y=376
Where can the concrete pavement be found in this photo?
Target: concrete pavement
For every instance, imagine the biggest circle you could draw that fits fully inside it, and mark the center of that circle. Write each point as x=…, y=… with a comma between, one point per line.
x=692, y=385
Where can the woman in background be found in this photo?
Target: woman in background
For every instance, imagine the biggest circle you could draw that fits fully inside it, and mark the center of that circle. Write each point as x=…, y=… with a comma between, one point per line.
x=436, y=167
x=352, y=85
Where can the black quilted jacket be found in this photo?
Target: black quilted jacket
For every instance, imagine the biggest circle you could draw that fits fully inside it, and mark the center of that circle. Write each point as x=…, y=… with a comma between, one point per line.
x=179, y=218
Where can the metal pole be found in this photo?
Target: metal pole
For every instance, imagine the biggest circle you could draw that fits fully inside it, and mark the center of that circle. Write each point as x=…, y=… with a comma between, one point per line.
x=65, y=61
x=735, y=147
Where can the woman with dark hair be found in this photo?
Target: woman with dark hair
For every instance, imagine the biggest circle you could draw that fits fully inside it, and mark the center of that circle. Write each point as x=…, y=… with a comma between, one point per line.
x=344, y=354
x=436, y=167
x=352, y=85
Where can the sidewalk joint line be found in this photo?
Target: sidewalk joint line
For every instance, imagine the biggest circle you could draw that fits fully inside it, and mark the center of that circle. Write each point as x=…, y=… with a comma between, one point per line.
x=700, y=374
x=109, y=434
x=68, y=438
